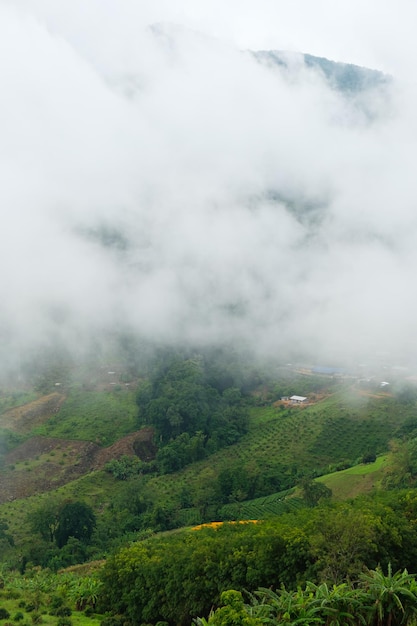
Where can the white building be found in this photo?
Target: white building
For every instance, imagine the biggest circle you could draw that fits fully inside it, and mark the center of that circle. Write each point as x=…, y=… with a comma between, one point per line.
x=298, y=399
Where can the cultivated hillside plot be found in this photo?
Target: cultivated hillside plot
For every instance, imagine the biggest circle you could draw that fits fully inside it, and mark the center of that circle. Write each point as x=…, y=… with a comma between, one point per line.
x=45, y=463
x=42, y=464
x=24, y=418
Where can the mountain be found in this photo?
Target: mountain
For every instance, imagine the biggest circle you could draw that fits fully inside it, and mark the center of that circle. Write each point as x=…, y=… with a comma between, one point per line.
x=345, y=77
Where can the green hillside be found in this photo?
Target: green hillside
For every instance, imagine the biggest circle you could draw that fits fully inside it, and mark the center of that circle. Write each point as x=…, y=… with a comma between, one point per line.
x=251, y=479
x=335, y=432
x=110, y=452
x=100, y=416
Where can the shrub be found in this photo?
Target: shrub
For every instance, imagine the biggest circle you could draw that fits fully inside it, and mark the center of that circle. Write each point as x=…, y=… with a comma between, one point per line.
x=125, y=467
x=56, y=602
x=17, y=617
x=63, y=611
x=113, y=620
x=11, y=594
x=4, y=613
x=64, y=621
x=369, y=457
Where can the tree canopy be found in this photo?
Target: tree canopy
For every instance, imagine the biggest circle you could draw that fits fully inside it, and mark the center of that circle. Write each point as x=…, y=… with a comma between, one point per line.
x=191, y=409
x=59, y=521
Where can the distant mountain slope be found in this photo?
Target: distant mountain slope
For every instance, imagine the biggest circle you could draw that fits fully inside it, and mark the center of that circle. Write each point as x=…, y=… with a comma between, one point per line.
x=345, y=77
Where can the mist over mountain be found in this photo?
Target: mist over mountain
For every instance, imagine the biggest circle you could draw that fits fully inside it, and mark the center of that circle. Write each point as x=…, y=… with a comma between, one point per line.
x=346, y=77
x=164, y=183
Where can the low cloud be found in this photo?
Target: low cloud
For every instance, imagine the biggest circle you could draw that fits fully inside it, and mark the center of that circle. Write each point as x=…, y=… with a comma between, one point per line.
x=168, y=183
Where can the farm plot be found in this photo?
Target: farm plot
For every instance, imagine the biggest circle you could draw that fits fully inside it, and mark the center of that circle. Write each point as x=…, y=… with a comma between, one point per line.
x=336, y=430
x=261, y=508
x=353, y=431
x=102, y=417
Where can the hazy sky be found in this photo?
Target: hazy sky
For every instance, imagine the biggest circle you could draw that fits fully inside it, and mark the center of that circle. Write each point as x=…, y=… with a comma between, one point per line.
x=376, y=33
x=239, y=201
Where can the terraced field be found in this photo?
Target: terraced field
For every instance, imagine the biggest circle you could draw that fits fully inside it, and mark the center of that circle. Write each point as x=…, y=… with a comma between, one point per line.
x=261, y=508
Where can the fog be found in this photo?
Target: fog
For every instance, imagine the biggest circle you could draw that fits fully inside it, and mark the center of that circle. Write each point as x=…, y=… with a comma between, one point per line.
x=158, y=179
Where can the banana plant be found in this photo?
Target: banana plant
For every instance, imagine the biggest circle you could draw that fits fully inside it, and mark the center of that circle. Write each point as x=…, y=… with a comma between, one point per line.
x=392, y=598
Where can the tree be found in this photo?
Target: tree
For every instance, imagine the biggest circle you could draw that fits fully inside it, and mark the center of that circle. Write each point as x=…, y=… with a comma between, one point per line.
x=402, y=464
x=232, y=613
x=183, y=397
x=57, y=521
x=125, y=467
x=237, y=483
x=44, y=520
x=314, y=491
x=342, y=540
x=4, y=535
x=369, y=457
x=206, y=491
x=75, y=519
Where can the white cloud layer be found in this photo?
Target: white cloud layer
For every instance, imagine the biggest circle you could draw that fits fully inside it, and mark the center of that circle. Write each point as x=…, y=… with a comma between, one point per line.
x=159, y=178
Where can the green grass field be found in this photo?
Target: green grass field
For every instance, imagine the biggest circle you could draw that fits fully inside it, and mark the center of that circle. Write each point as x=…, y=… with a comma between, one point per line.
x=102, y=417
x=356, y=480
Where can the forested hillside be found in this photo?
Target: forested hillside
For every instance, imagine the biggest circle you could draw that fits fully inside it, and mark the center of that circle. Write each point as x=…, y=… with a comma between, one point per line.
x=189, y=475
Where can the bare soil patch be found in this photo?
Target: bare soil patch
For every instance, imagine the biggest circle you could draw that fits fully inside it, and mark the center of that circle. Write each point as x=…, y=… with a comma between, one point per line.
x=139, y=443
x=370, y=394
x=26, y=417
x=42, y=464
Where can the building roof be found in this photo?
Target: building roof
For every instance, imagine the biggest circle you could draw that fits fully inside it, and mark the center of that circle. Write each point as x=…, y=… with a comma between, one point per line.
x=298, y=398
x=319, y=369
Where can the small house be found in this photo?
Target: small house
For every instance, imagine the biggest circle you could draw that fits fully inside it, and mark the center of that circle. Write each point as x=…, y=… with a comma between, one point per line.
x=298, y=399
